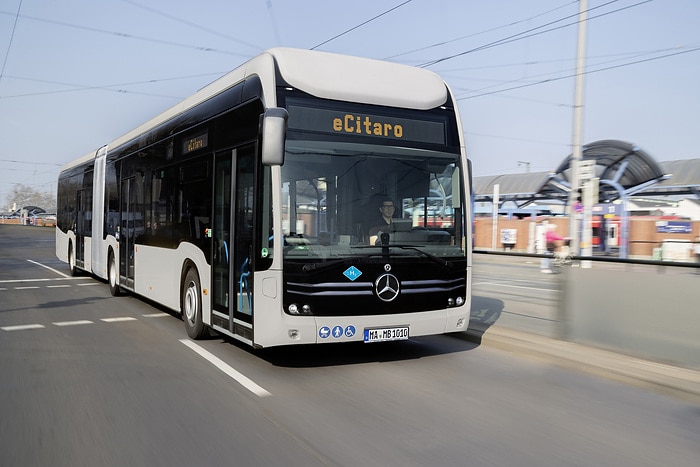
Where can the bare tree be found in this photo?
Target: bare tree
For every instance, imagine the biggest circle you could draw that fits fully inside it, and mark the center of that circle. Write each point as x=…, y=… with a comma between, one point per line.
x=23, y=195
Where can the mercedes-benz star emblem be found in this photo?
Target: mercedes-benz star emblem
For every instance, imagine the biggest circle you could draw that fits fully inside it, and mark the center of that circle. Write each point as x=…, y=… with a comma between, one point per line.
x=387, y=287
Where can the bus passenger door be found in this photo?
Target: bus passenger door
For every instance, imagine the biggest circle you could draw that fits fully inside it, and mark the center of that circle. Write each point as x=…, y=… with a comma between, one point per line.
x=232, y=283
x=80, y=229
x=221, y=241
x=243, y=228
x=127, y=228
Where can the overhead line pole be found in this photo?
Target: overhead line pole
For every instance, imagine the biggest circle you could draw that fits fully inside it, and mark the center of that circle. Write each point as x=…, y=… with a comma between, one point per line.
x=577, y=146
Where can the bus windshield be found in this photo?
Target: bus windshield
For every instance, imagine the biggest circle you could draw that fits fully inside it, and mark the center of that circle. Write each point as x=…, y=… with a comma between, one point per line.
x=349, y=200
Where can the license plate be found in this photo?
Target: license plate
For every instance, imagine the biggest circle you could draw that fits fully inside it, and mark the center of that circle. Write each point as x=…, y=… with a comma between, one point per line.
x=386, y=334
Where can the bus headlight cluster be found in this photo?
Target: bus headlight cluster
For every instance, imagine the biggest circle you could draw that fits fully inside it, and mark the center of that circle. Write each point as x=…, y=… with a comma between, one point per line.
x=455, y=301
x=295, y=309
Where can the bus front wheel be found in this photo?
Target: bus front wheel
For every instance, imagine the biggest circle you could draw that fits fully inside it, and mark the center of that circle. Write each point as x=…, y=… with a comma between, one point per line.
x=191, y=304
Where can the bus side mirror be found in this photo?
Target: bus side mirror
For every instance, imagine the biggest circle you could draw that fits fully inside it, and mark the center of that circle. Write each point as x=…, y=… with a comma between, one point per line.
x=274, y=132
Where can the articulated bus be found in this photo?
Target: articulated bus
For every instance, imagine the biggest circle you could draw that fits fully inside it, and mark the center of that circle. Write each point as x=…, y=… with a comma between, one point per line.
x=247, y=207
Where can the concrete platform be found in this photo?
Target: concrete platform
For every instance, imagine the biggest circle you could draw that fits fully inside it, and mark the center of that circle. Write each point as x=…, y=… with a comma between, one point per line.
x=662, y=378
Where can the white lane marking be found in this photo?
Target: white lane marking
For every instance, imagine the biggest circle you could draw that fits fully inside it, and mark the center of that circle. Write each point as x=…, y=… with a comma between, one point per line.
x=27, y=287
x=79, y=322
x=221, y=365
x=118, y=319
x=73, y=323
x=12, y=281
x=57, y=286
x=89, y=283
x=476, y=284
x=156, y=315
x=50, y=269
x=22, y=327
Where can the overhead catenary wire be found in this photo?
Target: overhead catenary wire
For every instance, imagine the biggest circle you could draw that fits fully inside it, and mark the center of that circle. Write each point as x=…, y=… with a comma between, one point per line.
x=192, y=24
x=12, y=36
x=526, y=34
x=128, y=36
x=118, y=88
x=695, y=49
x=598, y=64
x=502, y=89
x=275, y=28
x=439, y=44
x=360, y=25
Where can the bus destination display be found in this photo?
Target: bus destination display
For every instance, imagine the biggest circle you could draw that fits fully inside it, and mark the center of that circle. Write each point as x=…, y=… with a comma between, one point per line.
x=361, y=124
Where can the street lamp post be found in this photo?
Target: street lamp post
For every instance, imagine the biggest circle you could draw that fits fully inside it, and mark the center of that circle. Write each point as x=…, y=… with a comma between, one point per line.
x=577, y=152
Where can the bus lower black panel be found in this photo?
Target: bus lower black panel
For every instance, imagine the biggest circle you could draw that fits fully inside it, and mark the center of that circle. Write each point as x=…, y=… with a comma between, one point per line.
x=412, y=288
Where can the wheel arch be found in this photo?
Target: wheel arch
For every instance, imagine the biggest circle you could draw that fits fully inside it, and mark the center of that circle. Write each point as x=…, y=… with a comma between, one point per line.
x=187, y=264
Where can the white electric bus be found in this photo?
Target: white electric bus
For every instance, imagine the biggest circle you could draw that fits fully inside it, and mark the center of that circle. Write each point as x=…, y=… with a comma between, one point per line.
x=248, y=206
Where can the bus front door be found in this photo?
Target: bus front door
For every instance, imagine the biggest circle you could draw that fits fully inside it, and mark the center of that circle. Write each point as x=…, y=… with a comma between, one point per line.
x=232, y=277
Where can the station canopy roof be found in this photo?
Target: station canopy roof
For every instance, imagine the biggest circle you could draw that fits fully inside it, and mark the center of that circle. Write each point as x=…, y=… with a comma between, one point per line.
x=622, y=168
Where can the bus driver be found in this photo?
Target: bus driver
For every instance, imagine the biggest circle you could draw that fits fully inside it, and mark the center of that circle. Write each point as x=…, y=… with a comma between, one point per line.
x=383, y=224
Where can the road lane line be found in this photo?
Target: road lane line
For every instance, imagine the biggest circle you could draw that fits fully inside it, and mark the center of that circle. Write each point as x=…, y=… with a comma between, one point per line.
x=87, y=284
x=221, y=365
x=57, y=286
x=118, y=319
x=12, y=281
x=27, y=287
x=156, y=315
x=513, y=286
x=50, y=269
x=73, y=323
x=22, y=327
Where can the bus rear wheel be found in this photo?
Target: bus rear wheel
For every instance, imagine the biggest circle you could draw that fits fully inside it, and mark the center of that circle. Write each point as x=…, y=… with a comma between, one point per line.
x=113, y=276
x=71, y=261
x=191, y=305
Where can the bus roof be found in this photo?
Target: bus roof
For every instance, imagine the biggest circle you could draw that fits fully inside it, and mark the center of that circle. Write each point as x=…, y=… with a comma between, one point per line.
x=321, y=74
x=362, y=80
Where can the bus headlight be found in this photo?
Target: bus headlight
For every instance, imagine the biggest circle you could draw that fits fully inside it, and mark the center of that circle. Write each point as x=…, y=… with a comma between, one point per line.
x=295, y=309
x=459, y=301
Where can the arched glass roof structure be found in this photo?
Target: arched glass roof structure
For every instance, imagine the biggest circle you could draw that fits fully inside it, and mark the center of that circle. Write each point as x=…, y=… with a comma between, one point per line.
x=622, y=168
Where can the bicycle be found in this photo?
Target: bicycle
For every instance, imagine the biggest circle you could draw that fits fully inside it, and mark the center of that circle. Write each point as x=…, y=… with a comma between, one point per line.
x=561, y=259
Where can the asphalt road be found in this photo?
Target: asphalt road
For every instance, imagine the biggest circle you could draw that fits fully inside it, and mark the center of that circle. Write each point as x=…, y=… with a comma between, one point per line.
x=513, y=291
x=88, y=380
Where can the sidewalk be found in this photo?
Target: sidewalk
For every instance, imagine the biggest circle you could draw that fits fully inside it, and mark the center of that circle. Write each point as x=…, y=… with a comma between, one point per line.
x=666, y=379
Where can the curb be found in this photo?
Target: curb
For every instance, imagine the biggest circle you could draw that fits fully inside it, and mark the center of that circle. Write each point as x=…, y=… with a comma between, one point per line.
x=666, y=379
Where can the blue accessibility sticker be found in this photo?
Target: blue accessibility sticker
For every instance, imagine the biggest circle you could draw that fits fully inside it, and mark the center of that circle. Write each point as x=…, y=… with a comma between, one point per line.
x=352, y=273
x=337, y=332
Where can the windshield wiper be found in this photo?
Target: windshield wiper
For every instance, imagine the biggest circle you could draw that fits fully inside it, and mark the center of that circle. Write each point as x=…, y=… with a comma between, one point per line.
x=308, y=267
x=430, y=256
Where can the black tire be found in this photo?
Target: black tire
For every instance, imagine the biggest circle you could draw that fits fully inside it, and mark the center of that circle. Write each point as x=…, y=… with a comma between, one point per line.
x=191, y=305
x=113, y=276
x=72, y=270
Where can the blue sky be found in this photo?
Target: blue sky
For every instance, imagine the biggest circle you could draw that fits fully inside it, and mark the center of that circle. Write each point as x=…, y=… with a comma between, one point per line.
x=76, y=74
